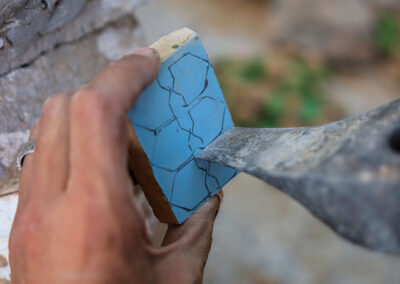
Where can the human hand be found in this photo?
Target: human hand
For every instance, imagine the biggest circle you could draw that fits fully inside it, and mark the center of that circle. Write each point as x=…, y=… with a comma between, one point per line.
x=76, y=220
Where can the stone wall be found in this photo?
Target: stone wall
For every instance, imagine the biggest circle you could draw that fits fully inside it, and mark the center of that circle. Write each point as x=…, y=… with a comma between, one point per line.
x=46, y=47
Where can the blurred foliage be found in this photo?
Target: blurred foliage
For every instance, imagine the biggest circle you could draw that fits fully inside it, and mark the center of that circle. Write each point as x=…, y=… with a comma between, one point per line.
x=301, y=85
x=294, y=97
x=253, y=71
x=387, y=33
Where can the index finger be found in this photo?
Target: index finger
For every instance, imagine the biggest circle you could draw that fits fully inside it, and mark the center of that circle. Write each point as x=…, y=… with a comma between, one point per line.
x=98, y=115
x=123, y=80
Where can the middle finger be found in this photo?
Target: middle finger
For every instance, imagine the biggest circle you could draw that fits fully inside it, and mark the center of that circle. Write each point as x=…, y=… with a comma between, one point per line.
x=51, y=159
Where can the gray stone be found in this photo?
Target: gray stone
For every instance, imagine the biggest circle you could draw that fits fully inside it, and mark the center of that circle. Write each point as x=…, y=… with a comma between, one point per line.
x=31, y=28
x=65, y=12
x=24, y=90
x=79, y=40
x=51, y=47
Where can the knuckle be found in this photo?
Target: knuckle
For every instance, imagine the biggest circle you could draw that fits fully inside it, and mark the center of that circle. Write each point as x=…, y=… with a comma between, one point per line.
x=88, y=103
x=50, y=105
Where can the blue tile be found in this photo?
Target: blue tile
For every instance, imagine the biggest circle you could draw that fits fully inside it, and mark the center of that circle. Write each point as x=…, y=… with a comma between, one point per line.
x=174, y=119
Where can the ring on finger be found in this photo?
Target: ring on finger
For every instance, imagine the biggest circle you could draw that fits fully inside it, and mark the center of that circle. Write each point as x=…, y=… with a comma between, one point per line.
x=25, y=149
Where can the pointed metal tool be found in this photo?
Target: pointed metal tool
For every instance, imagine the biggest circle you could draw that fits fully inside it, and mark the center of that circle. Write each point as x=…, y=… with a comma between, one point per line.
x=347, y=173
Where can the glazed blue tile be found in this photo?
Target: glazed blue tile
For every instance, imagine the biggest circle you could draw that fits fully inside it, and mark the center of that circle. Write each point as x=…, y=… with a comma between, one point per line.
x=174, y=119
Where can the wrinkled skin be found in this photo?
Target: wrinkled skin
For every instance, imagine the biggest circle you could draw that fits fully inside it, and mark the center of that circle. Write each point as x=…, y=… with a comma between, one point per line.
x=77, y=221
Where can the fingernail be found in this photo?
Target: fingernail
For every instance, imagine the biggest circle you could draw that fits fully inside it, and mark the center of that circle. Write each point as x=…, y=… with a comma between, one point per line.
x=220, y=197
x=149, y=52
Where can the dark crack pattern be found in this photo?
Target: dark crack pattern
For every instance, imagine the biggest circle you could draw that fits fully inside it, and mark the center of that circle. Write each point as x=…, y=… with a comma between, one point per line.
x=193, y=113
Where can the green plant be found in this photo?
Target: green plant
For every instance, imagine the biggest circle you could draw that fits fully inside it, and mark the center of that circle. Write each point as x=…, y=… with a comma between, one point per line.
x=387, y=33
x=253, y=71
x=299, y=92
x=293, y=98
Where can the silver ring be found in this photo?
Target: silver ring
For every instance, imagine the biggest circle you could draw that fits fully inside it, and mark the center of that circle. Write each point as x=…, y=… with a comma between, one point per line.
x=25, y=149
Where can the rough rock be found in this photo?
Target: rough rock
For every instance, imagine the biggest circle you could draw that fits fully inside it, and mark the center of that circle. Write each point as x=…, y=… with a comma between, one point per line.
x=336, y=30
x=29, y=28
x=23, y=90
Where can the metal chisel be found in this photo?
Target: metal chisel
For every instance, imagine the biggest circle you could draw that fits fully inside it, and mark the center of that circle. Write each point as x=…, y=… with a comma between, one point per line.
x=347, y=173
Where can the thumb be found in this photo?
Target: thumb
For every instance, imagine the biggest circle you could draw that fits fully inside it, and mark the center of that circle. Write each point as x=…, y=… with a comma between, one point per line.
x=185, y=248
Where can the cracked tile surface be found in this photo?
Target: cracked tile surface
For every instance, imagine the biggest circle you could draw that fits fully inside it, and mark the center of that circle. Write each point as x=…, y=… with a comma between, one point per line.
x=175, y=118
